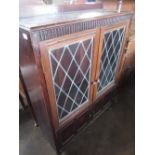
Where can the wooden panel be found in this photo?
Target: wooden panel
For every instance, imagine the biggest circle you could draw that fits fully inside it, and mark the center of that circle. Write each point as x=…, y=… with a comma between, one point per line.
x=83, y=120
x=66, y=133
x=128, y=61
x=74, y=127
x=32, y=85
x=102, y=100
x=127, y=5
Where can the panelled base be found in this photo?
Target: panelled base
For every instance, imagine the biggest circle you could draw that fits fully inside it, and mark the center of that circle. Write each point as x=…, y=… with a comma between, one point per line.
x=65, y=134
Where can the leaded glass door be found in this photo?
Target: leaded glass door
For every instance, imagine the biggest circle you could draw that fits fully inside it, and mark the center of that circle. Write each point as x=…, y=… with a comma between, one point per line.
x=111, y=43
x=67, y=65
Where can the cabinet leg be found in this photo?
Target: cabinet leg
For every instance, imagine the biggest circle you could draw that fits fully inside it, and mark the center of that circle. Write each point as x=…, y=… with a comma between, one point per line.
x=36, y=124
x=22, y=102
x=28, y=99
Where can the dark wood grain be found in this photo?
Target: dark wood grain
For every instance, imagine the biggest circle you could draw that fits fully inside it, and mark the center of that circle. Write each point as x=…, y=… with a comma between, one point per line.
x=30, y=76
x=24, y=90
x=34, y=75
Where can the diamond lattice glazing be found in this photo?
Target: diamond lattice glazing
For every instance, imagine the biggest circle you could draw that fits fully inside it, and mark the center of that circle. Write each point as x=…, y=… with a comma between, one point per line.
x=71, y=67
x=110, y=53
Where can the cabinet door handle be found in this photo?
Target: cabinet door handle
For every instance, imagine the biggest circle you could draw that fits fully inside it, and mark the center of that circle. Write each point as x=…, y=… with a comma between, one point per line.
x=95, y=82
x=98, y=81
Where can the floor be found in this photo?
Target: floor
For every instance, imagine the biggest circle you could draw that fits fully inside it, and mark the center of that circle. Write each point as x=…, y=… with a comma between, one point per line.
x=111, y=134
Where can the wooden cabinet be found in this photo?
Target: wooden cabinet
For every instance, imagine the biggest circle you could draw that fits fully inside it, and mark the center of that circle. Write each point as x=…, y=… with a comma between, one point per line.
x=69, y=66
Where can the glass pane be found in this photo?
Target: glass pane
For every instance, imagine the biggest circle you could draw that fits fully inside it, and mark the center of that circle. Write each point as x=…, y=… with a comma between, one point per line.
x=110, y=52
x=71, y=67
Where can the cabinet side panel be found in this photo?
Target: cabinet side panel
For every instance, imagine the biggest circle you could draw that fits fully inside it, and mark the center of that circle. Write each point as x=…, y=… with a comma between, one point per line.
x=31, y=80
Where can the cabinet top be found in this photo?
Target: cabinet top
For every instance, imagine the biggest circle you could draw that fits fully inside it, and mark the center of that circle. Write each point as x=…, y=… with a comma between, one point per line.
x=59, y=18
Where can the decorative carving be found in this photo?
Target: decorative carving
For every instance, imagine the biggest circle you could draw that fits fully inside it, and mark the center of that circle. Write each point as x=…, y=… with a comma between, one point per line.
x=64, y=29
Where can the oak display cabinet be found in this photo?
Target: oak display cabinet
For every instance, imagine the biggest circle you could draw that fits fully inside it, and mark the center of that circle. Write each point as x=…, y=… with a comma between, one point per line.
x=69, y=62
